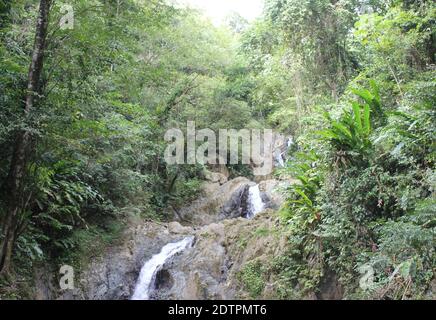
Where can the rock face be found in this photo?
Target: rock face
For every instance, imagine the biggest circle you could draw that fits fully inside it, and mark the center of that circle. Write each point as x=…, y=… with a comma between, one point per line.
x=330, y=288
x=114, y=273
x=272, y=191
x=237, y=205
x=211, y=269
x=177, y=228
x=215, y=197
x=224, y=244
x=229, y=201
x=220, y=168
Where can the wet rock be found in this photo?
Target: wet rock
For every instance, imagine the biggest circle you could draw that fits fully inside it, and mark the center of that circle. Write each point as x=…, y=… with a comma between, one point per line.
x=164, y=280
x=197, y=273
x=237, y=206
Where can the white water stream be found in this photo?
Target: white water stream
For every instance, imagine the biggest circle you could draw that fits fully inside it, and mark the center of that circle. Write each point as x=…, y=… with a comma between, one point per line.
x=148, y=273
x=280, y=155
x=255, y=202
x=280, y=161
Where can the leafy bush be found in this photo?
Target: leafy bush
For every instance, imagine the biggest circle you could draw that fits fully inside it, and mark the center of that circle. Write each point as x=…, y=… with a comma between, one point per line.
x=370, y=194
x=252, y=278
x=301, y=203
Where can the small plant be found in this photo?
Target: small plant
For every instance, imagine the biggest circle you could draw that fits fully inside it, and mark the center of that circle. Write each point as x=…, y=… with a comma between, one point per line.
x=261, y=232
x=242, y=242
x=301, y=201
x=350, y=135
x=252, y=277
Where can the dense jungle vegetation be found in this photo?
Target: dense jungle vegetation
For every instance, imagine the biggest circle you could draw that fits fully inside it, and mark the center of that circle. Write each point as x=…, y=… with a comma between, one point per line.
x=83, y=113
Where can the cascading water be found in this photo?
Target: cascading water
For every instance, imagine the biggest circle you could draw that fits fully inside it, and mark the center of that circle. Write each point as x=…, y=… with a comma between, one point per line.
x=280, y=161
x=148, y=273
x=255, y=202
x=280, y=155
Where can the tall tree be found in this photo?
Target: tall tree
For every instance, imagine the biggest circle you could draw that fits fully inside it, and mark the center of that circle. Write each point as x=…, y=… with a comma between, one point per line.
x=15, y=181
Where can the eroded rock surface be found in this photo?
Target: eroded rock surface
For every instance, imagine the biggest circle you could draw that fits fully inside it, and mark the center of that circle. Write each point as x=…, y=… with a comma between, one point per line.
x=224, y=244
x=206, y=209
x=210, y=270
x=113, y=274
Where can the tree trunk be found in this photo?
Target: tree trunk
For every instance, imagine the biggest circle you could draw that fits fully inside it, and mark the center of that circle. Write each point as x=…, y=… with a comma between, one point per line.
x=14, y=184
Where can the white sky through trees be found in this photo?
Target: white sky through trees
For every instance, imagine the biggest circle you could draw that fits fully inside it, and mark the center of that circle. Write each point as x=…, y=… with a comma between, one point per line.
x=217, y=10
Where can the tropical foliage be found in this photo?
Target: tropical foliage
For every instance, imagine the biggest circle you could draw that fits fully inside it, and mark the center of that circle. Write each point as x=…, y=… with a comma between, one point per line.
x=352, y=80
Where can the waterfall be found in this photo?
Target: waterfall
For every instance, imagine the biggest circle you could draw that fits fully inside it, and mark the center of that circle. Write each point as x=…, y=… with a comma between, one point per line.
x=280, y=153
x=148, y=273
x=255, y=202
x=280, y=161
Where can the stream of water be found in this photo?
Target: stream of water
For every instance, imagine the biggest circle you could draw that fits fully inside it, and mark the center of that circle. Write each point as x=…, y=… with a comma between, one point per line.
x=147, y=277
x=255, y=202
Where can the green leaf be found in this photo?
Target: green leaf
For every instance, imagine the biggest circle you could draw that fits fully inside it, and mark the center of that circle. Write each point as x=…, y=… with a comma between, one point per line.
x=375, y=91
x=304, y=196
x=365, y=94
x=357, y=118
x=366, y=119
x=342, y=129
